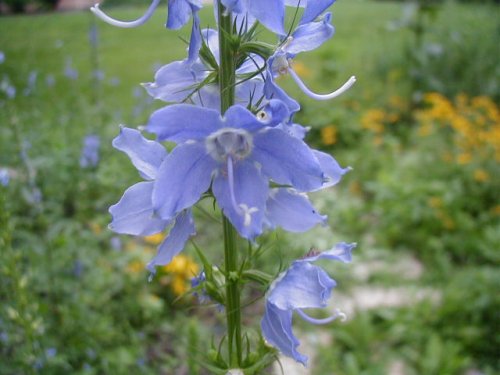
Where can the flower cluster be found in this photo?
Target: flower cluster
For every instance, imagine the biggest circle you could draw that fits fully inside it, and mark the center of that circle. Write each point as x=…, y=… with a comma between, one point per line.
x=243, y=149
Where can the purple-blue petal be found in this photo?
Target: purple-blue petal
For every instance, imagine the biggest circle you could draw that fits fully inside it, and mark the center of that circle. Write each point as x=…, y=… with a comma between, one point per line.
x=310, y=36
x=251, y=190
x=174, y=82
x=341, y=252
x=183, y=177
x=313, y=9
x=175, y=241
x=331, y=168
x=134, y=213
x=146, y=155
x=291, y=211
x=179, y=12
x=277, y=330
x=303, y=286
x=270, y=13
x=183, y=122
x=287, y=160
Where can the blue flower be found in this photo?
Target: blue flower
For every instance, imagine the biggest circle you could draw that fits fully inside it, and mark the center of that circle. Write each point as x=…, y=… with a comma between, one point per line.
x=303, y=286
x=179, y=13
x=90, y=151
x=236, y=155
x=306, y=37
x=4, y=177
x=270, y=13
x=181, y=81
x=134, y=213
x=313, y=8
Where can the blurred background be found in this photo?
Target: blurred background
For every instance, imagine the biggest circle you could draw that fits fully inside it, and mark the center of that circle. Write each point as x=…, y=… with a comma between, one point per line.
x=421, y=129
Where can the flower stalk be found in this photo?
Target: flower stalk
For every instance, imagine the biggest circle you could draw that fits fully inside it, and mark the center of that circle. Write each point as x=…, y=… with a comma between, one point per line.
x=227, y=81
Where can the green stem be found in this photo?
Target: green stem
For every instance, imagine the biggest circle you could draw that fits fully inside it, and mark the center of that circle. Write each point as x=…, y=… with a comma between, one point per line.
x=233, y=307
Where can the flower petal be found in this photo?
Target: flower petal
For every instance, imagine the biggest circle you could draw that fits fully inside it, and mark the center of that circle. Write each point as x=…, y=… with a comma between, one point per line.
x=303, y=286
x=184, y=176
x=310, y=36
x=134, y=213
x=146, y=155
x=313, y=9
x=277, y=330
x=179, y=12
x=175, y=81
x=287, y=160
x=175, y=241
x=341, y=252
x=292, y=211
x=250, y=193
x=270, y=13
x=332, y=170
x=183, y=122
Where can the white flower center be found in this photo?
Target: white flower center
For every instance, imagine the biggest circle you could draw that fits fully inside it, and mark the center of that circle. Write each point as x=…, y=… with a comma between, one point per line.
x=236, y=143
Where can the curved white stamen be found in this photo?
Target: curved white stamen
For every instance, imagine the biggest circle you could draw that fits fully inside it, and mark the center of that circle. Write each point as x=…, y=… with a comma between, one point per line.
x=346, y=86
x=338, y=314
x=126, y=24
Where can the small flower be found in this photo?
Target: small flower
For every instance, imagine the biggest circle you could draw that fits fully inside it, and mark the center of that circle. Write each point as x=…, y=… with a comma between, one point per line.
x=134, y=213
x=302, y=286
x=4, y=177
x=236, y=155
x=90, y=151
x=306, y=37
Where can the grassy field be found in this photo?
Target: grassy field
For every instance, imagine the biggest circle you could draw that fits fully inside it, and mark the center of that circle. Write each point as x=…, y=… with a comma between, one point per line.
x=421, y=128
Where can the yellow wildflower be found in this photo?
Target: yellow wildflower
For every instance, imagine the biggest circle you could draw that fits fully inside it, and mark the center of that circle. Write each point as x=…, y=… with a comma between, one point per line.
x=154, y=239
x=480, y=175
x=329, y=135
x=135, y=266
x=464, y=158
x=435, y=202
x=301, y=69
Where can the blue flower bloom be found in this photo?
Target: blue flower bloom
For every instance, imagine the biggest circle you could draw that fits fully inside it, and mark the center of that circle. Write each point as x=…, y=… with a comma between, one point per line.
x=303, y=286
x=306, y=37
x=180, y=81
x=134, y=213
x=90, y=151
x=270, y=13
x=236, y=155
x=313, y=8
x=4, y=177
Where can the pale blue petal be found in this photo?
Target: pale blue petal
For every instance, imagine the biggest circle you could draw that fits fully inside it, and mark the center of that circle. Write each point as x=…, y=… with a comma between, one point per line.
x=134, y=213
x=332, y=170
x=291, y=211
x=183, y=122
x=287, y=160
x=310, y=36
x=179, y=12
x=273, y=91
x=249, y=91
x=303, y=286
x=295, y=130
x=175, y=241
x=174, y=82
x=146, y=155
x=239, y=117
x=270, y=13
x=341, y=252
x=313, y=9
x=251, y=190
x=276, y=112
x=184, y=176
x=195, y=40
x=237, y=6
x=277, y=330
